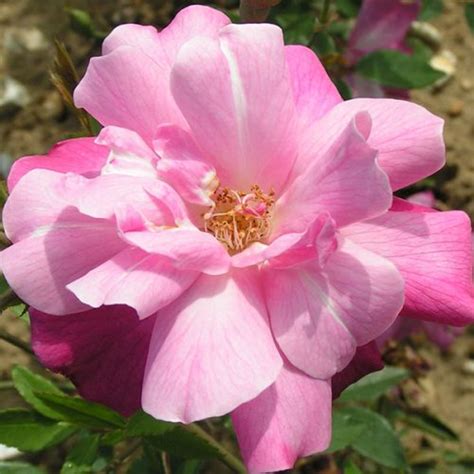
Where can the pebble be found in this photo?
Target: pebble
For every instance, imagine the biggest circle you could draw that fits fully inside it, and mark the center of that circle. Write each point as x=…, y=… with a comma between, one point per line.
x=466, y=84
x=456, y=108
x=19, y=40
x=13, y=96
x=468, y=367
x=52, y=107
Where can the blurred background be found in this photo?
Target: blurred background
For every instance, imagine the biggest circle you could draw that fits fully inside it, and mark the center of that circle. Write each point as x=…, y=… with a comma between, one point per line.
x=33, y=116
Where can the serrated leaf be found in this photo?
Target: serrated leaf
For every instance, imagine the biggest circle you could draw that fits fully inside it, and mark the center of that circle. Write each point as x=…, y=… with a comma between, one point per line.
x=377, y=440
x=79, y=411
x=19, y=468
x=469, y=14
x=27, y=383
x=82, y=456
x=29, y=431
x=374, y=385
x=430, y=9
x=394, y=69
x=170, y=437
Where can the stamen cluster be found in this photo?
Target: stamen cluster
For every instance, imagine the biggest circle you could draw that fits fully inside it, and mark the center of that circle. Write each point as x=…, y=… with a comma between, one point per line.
x=239, y=218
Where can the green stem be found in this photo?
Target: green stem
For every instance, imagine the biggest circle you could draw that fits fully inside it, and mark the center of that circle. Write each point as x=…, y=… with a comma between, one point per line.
x=324, y=17
x=226, y=456
x=15, y=341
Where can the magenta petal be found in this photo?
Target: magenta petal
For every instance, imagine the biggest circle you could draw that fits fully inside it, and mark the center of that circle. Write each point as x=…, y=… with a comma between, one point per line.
x=381, y=25
x=102, y=351
x=211, y=350
x=366, y=360
x=432, y=251
x=319, y=316
x=78, y=155
x=313, y=90
x=289, y=420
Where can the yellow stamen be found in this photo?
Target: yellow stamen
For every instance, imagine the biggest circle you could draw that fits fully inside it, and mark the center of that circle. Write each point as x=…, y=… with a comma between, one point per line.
x=238, y=218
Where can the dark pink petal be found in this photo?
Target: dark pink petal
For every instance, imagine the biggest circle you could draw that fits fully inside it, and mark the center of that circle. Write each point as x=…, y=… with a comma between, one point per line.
x=142, y=281
x=288, y=420
x=211, y=350
x=102, y=351
x=319, y=316
x=433, y=252
x=381, y=25
x=313, y=90
x=345, y=181
x=249, y=108
x=367, y=359
x=78, y=155
x=408, y=138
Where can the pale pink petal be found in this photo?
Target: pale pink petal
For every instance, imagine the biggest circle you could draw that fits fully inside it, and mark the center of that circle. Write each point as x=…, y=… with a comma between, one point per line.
x=345, y=181
x=211, y=350
x=367, y=359
x=432, y=251
x=195, y=20
x=183, y=166
x=315, y=243
x=319, y=316
x=188, y=247
x=78, y=155
x=409, y=139
x=289, y=420
x=129, y=154
x=381, y=25
x=249, y=108
x=313, y=90
x=54, y=246
x=89, y=347
x=142, y=281
x=129, y=86
x=127, y=89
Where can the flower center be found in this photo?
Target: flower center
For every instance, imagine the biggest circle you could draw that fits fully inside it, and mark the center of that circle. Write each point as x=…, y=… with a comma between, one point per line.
x=238, y=218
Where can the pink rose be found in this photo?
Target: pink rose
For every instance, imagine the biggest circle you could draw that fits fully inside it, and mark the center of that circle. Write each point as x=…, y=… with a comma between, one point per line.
x=245, y=213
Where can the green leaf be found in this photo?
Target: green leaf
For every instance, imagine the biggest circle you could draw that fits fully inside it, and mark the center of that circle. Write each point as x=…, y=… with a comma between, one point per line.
x=394, y=69
x=344, y=89
x=27, y=383
x=323, y=44
x=348, y=8
x=79, y=411
x=429, y=424
x=173, y=438
x=376, y=440
x=430, y=9
x=469, y=13
x=29, y=431
x=374, y=385
x=82, y=456
x=351, y=468
x=345, y=430
x=18, y=468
